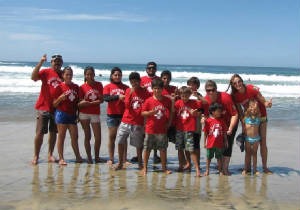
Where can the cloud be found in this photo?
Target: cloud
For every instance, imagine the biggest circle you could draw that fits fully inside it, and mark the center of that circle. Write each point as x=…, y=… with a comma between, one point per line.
x=35, y=14
x=29, y=37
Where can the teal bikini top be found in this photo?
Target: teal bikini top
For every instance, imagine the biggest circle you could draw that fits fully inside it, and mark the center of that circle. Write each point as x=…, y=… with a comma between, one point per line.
x=255, y=121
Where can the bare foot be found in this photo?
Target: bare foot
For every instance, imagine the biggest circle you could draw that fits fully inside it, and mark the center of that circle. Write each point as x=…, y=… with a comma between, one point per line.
x=141, y=166
x=110, y=163
x=198, y=174
x=34, y=161
x=187, y=167
x=143, y=172
x=100, y=160
x=221, y=173
x=267, y=171
x=62, y=162
x=179, y=169
x=256, y=173
x=227, y=173
x=206, y=173
x=90, y=161
x=119, y=166
x=245, y=172
x=167, y=171
x=127, y=163
x=79, y=160
x=51, y=159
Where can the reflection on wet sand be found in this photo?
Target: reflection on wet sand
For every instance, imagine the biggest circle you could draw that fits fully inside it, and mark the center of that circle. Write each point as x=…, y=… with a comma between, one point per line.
x=103, y=187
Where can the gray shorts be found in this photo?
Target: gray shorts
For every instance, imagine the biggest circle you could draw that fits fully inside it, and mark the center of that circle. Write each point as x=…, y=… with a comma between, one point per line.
x=156, y=142
x=136, y=133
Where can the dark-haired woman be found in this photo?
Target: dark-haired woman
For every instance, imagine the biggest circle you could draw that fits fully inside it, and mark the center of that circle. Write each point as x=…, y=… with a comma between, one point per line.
x=91, y=96
x=66, y=98
x=241, y=94
x=114, y=94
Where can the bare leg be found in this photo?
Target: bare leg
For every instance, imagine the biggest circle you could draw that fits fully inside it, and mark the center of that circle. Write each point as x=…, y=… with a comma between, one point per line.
x=254, y=156
x=38, y=141
x=225, y=166
x=62, y=129
x=139, y=152
x=197, y=151
x=181, y=159
x=188, y=160
x=219, y=162
x=121, y=148
x=112, y=133
x=247, y=165
x=195, y=161
x=87, y=138
x=263, y=147
x=163, y=156
x=74, y=140
x=207, y=167
x=146, y=158
x=51, y=143
x=97, y=135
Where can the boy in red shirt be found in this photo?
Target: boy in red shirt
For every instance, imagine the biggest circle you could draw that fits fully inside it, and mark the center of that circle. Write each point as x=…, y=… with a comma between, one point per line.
x=132, y=121
x=214, y=136
x=187, y=111
x=157, y=110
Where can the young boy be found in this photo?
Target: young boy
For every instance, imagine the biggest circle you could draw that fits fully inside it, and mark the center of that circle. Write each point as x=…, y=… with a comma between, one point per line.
x=187, y=111
x=132, y=121
x=214, y=136
x=194, y=83
x=158, y=112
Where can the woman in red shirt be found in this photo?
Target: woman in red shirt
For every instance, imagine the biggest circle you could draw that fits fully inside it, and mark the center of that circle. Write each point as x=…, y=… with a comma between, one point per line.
x=241, y=94
x=91, y=96
x=66, y=98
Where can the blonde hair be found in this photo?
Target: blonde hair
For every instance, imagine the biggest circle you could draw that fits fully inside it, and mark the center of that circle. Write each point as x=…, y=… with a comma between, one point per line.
x=248, y=111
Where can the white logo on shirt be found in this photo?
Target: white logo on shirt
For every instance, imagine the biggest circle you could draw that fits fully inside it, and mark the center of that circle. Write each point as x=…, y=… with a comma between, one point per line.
x=135, y=105
x=185, y=114
x=159, y=114
x=72, y=97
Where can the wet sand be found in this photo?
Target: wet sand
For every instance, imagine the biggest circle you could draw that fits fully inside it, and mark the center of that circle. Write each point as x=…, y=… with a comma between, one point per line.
x=84, y=186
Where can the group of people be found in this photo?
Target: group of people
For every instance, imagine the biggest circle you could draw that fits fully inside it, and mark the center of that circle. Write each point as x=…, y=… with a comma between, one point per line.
x=152, y=113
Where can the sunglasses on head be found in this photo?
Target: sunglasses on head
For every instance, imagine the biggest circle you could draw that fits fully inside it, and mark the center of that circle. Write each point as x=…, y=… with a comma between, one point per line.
x=210, y=90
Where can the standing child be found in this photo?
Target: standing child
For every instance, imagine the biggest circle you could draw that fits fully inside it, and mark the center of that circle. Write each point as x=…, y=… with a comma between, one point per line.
x=186, y=112
x=132, y=122
x=251, y=130
x=91, y=96
x=157, y=111
x=114, y=94
x=66, y=98
x=215, y=137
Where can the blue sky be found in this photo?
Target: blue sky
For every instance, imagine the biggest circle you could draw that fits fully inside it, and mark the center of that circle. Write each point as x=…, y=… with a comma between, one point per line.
x=250, y=33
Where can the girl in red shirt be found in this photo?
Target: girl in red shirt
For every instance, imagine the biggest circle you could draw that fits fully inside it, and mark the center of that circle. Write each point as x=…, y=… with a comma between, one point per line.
x=66, y=98
x=241, y=94
x=91, y=96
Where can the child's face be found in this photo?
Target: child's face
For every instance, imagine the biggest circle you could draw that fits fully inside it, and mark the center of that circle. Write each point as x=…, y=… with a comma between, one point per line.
x=194, y=87
x=157, y=91
x=67, y=76
x=253, y=107
x=185, y=97
x=217, y=113
x=166, y=79
x=89, y=76
x=135, y=83
x=116, y=77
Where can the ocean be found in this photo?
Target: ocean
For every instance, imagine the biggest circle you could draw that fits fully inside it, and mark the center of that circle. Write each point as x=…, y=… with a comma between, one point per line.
x=18, y=92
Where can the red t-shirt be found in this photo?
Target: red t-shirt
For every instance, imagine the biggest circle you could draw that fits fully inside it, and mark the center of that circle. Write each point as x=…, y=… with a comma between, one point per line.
x=117, y=106
x=229, y=108
x=133, y=106
x=168, y=92
x=157, y=124
x=91, y=93
x=215, y=129
x=71, y=92
x=250, y=93
x=50, y=81
x=185, y=121
x=146, y=82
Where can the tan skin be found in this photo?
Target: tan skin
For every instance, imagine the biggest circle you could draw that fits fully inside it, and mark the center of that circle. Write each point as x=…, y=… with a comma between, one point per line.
x=38, y=139
x=89, y=76
x=62, y=128
x=251, y=149
x=216, y=114
x=112, y=131
x=183, y=163
x=239, y=86
x=163, y=153
x=213, y=95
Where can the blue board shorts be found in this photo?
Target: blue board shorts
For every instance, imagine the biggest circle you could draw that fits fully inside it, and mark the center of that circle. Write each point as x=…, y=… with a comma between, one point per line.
x=64, y=118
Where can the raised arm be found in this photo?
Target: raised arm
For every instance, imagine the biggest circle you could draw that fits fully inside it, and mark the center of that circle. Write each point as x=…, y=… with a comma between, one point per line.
x=268, y=104
x=35, y=72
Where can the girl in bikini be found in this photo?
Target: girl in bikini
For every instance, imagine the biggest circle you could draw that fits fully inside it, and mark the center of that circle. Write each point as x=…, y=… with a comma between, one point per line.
x=251, y=126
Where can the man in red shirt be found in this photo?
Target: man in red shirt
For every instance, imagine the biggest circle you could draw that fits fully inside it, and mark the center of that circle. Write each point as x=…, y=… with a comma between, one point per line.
x=51, y=78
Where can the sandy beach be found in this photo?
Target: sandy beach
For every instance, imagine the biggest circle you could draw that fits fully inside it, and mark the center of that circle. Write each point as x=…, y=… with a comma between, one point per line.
x=84, y=186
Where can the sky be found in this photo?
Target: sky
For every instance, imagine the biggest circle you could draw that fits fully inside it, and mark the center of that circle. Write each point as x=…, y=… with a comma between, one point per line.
x=202, y=32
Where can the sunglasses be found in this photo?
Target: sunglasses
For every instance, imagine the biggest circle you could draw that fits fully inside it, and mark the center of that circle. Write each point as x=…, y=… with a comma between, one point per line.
x=151, y=68
x=210, y=90
x=237, y=82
